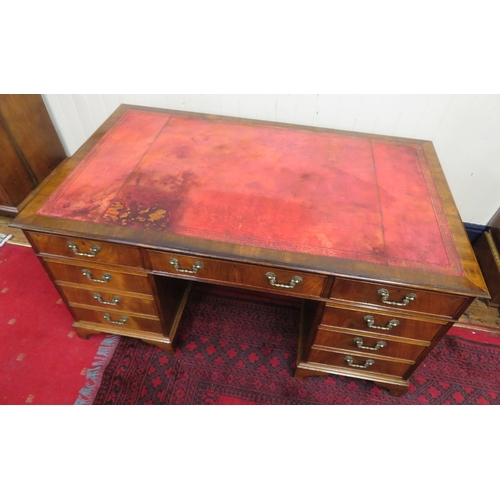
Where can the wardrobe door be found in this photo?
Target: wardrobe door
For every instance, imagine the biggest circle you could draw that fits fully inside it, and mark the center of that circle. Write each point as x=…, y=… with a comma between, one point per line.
x=29, y=148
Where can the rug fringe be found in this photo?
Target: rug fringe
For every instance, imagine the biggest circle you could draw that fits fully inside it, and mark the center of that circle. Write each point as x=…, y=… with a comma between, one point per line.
x=4, y=238
x=104, y=353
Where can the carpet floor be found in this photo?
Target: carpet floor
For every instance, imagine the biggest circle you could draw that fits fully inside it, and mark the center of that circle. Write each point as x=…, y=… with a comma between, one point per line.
x=42, y=360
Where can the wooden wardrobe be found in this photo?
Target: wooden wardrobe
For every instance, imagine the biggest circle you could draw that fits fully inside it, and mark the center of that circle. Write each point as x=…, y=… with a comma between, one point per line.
x=487, y=249
x=29, y=148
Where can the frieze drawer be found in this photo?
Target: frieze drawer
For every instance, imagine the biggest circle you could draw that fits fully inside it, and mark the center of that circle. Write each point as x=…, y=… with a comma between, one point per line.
x=87, y=250
x=265, y=278
x=397, y=298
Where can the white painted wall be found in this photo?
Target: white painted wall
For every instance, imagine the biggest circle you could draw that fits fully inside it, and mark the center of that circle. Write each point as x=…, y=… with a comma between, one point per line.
x=465, y=129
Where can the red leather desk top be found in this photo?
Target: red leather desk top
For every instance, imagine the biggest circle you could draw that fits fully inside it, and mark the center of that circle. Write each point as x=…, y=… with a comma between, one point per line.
x=304, y=191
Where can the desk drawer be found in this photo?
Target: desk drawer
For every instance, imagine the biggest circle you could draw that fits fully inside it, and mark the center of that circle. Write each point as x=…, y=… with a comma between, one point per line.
x=365, y=345
x=360, y=363
x=265, y=278
x=106, y=279
x=110, y=300
x=426, y=302
x=87, y=250
x=386, y=323
x=117, y=319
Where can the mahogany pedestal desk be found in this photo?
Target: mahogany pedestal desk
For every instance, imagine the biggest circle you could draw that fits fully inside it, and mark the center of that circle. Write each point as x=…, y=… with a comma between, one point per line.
x=362, y=229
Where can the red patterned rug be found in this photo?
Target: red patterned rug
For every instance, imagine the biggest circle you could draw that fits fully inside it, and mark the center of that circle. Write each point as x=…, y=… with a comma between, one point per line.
x=236, y=351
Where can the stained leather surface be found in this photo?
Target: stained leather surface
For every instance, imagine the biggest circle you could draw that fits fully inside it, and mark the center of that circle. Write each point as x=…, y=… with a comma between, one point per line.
x=268, y=186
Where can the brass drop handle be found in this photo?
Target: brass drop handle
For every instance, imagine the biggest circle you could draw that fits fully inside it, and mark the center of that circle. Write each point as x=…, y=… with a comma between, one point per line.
x=370, y=321
x=385, y=298
x=350, y=361
x=196, y=266
x=114, y=300
x=105, y=277
x=272, y=280
x=359, y=343
x=121, y=321
x=93, y=250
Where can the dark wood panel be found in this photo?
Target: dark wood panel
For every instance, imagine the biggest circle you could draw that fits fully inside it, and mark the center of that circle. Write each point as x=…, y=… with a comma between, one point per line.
x=4, y=199
x=31, y=128
x=495, y=220
x=171, y=296
x=30, y=148
x=488, y=255
x=14, y=178
x=310, y=318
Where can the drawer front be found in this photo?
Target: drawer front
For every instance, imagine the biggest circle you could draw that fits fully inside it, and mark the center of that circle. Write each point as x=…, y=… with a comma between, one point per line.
x=426, y=302
x=388, y=324
x=106, y=279
x=118, y=319
x=110, y=300
x=87, y=250
x=365, y=345
x=266, y=278
x=361, y=363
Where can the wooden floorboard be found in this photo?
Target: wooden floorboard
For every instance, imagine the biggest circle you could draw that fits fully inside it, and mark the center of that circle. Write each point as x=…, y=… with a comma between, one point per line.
x=480, y=314
x=18, y=237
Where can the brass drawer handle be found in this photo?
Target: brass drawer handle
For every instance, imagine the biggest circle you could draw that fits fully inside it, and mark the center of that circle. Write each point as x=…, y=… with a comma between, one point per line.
x=121, y=321
x=371, y=323
x=272, y=279
x=105, y=277
x=114, y=300
x=93, y=250
x=196, y=266
x=359, y=343
x=352, y=364
x=385, y=298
